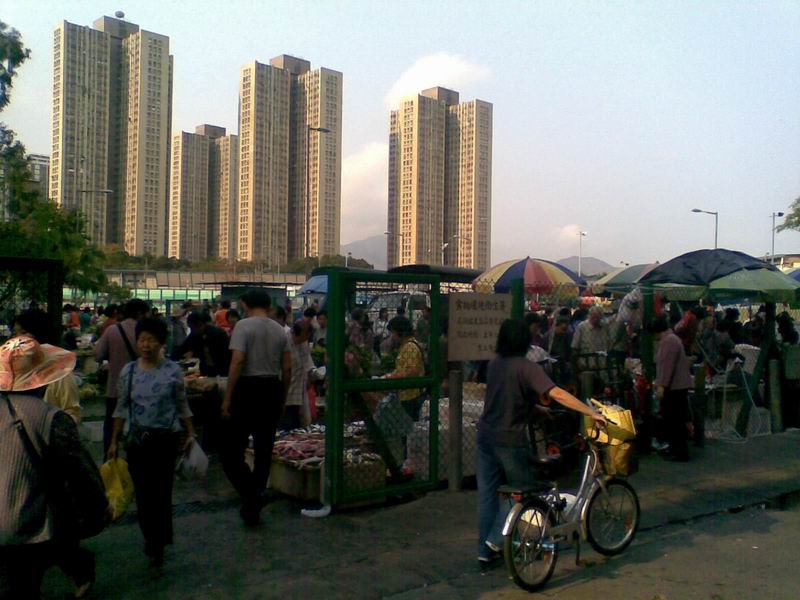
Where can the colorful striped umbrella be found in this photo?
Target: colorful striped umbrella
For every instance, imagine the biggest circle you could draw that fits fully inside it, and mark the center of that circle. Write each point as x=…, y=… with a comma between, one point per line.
x=539, y=276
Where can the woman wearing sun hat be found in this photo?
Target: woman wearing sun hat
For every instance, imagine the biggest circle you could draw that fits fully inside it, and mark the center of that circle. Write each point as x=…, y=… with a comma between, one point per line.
x=37, y=438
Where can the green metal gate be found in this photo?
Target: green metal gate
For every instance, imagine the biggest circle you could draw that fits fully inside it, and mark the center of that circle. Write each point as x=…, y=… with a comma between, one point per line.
x=382, y=433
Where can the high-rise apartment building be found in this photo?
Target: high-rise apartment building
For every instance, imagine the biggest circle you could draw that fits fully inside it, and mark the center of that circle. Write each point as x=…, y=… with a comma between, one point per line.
x=315, y=164
x=189, y=193
x=80, y=121
x=112, y=111
x=440, y=163
x=263, y=163
x=38, y=181
x=223, y=174
x=468, y=185
x=203, y=194
x=290, y=161
x=39, y=168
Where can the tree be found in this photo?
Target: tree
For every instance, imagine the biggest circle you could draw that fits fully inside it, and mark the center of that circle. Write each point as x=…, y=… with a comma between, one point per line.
x=12, y=55
x=792, y=220
x=308, y=264
x=36, y=227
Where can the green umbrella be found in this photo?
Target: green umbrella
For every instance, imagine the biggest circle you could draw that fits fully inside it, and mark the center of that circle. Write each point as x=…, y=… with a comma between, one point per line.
x=757, y=285
x=621, y=281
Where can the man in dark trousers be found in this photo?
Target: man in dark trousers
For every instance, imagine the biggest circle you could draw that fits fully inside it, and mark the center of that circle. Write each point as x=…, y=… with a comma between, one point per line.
x=259, y=375
x=673, y=380
x=207, y=343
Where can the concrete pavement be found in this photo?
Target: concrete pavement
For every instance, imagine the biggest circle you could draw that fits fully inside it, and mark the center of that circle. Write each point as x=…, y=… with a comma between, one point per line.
x=419, y=549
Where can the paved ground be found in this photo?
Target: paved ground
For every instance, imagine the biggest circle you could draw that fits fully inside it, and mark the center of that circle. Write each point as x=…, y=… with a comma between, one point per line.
x=750, y=554
x=426, y=548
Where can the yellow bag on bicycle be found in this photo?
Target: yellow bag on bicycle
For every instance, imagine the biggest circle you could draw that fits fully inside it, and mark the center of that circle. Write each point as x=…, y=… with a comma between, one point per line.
x=621, y=428
x=620, y=460
x=119, y=485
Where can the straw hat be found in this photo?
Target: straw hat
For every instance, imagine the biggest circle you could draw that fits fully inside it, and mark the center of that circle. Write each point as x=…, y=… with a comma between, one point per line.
x=26, y=365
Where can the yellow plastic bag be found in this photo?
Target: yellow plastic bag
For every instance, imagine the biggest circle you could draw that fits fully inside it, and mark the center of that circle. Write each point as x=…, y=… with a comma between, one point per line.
x=621, y=460
x=621, y=427
x=119, y=485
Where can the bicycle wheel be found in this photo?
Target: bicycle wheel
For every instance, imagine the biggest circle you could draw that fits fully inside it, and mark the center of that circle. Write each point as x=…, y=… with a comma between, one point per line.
x=612, y=517
x=529, y=550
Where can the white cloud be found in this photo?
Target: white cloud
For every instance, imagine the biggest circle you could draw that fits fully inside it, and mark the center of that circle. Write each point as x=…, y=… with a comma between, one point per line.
x=447, y=70
x=364, y=192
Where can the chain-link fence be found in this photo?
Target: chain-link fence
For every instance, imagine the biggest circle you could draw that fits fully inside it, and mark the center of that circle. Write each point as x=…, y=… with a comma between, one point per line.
x=383, y=353
x=401, y=417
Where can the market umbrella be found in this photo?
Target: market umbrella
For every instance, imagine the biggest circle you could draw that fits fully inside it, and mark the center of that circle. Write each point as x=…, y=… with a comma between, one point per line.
x=318, y=284
x=720, y=275
x=794, y=274
x=621, y=280
x=539, y=276
x=701, y=267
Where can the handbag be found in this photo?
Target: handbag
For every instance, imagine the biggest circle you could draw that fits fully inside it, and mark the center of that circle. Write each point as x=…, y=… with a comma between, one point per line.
x=73, y=516
x=622, y=460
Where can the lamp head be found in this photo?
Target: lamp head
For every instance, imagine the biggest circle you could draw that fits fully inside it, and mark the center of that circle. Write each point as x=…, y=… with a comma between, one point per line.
x=696, y=210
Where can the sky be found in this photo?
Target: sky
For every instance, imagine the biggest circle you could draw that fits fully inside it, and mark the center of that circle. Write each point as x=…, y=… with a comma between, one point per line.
x=614, y=118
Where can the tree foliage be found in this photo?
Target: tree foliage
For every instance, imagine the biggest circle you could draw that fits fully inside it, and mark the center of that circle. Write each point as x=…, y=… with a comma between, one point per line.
x=792, y=219
x=12, y=54
x=307, y=265
x=116, y=258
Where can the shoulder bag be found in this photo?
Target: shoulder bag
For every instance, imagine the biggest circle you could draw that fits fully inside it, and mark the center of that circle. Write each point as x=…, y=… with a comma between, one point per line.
x=127, y=342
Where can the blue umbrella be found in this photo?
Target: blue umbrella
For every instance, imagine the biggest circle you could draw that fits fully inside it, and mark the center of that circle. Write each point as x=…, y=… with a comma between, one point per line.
x=316, y=285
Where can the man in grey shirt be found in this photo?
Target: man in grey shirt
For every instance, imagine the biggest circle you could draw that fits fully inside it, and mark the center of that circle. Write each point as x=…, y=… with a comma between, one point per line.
x=260, y=372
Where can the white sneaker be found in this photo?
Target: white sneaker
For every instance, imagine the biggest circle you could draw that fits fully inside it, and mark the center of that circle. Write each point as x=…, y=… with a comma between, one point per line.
x=317, y=513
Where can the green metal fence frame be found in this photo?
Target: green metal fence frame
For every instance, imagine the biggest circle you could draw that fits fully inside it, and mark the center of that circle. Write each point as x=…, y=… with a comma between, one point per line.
x=340, y=286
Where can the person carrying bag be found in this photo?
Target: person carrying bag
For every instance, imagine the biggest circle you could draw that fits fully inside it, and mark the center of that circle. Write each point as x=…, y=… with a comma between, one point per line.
x=152, y=399
x=51, y=494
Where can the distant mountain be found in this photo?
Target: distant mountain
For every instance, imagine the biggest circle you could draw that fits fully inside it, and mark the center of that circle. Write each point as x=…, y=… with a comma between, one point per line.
x=589, y=265
x=371, y=249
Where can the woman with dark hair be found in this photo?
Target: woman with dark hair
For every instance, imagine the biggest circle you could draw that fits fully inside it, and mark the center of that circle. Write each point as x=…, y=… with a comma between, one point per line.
x=152, y=398
x=513, y=386
x=673, y=382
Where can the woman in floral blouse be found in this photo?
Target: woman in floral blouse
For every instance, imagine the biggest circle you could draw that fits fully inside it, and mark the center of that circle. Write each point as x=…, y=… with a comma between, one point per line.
x=152, y=397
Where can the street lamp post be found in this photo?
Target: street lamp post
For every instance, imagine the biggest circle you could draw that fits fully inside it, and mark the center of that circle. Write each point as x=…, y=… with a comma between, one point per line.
x=775, y=214
x=347, y=259
x=447, y=244
x=716, y=222
x=398, y=235
x=309, y=129
x=581, y=235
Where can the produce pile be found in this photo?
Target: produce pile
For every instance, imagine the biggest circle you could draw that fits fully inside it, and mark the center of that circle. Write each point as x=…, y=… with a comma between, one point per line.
x=305, y=448
x=88, y=392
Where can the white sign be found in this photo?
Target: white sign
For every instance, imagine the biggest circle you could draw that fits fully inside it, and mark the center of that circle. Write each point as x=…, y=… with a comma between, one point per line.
x=473, y=323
